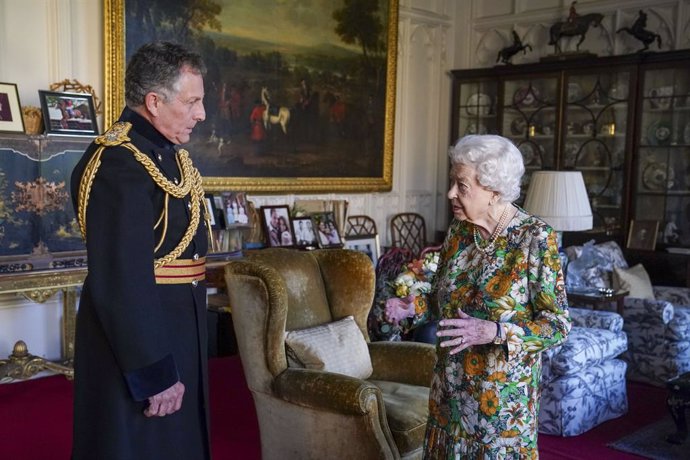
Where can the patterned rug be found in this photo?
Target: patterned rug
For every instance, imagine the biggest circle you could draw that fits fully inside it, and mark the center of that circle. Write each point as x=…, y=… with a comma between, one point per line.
x=650, y=442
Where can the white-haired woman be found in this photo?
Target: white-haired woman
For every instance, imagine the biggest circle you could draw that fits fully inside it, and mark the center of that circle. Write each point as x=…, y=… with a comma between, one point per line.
x=500, y=302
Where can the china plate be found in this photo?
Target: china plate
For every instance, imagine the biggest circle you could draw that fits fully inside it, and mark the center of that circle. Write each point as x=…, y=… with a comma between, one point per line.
x=657, y=176
x=526, y=96
x=660, y=98
x=476, y=128
x=479, y=104
x=658, y=133
x=518, y=126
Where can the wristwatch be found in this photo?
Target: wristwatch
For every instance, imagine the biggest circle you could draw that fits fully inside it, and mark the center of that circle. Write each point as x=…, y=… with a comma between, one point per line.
x=498, y=340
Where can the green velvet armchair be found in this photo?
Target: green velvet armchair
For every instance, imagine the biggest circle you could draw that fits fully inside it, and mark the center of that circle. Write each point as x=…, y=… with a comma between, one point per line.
x=315, y=414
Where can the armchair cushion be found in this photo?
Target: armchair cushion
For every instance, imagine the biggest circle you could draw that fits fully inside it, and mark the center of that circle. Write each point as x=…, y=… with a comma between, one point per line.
x=407, y=409
x=635, y=280
x=587, y=347
x=337, y=347
x=584, y=317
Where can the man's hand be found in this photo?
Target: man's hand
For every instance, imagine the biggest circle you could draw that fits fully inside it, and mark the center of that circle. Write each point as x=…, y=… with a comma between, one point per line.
x=166, y=402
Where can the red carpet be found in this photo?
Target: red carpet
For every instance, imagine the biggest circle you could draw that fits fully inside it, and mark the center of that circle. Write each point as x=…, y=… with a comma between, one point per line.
x=36, y=416
x=36, y=420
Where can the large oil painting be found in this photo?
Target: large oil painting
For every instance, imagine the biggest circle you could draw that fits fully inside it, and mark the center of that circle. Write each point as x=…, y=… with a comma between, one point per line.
x=300, y=94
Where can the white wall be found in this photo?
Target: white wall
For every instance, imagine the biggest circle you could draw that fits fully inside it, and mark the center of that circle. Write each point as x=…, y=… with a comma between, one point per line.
x=45, y=41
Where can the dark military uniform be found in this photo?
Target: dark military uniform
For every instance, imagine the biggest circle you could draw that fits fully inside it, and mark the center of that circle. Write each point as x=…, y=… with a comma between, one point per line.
x=139, y=331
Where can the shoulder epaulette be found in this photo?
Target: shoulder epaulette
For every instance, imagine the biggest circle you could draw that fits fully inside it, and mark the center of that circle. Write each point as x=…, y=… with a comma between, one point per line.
x=115, y=135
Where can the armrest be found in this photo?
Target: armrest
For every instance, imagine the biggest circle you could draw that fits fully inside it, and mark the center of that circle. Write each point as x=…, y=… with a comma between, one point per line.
x=404, y=362
x=645, y=311
x=321, y=390
x=598, y=319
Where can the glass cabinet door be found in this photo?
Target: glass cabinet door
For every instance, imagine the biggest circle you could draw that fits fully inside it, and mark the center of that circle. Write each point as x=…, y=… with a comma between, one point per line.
x=530, y=109
x=477, y=110
x=662, y=167
x=595, y=126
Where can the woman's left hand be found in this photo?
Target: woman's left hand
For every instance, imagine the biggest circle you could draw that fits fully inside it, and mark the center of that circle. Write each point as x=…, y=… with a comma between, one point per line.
x=465, y=331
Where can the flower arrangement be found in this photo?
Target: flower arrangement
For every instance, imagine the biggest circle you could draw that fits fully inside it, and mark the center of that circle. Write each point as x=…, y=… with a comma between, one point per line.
x=410, y=287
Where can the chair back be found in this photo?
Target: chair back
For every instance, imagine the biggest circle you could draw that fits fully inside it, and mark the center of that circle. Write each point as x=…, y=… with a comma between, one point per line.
x=408, y=230
x=275, y=290
x=360, y=226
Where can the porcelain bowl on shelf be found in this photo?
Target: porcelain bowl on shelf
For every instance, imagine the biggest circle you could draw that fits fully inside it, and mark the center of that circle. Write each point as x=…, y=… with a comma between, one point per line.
x=479, y=104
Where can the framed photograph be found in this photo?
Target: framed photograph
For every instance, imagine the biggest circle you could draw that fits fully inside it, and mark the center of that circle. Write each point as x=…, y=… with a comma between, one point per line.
x=234, y=206
x=305, y=237
x=11, y=120
x=327, y=235
x=366, y=244
x=71, y=114
x=277, y=226
x=294, y=102
x=642, y=234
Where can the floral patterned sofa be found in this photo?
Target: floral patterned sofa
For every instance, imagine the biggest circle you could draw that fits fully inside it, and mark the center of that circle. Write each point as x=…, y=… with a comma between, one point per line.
x=658, y=329
x=583, y=384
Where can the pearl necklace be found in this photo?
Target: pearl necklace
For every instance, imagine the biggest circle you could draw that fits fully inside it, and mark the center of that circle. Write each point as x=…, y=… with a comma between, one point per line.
x=489, y=248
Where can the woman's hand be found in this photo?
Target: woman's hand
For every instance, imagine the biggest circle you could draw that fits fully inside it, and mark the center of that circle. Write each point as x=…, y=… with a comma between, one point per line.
x=465, y=331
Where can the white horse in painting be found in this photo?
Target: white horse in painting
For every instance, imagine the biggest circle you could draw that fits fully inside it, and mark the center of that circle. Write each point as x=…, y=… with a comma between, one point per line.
x=283, y=116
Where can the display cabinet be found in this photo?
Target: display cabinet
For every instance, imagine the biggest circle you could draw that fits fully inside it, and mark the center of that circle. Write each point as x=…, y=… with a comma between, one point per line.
x=623, y=121
x=662, y=162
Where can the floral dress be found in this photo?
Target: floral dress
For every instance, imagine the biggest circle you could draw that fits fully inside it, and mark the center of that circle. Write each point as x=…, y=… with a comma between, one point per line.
x=484, y=400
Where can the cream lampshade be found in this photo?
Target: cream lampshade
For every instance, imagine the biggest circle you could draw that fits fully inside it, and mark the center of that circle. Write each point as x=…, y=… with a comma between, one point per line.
x=560, y=199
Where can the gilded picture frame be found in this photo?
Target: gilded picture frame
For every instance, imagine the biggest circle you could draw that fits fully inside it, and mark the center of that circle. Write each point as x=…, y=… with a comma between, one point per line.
x=357, y=157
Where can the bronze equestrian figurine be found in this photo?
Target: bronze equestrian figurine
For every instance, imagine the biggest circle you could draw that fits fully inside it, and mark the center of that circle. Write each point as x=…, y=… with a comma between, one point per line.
x=576, y=24
x=638, y=31
x=511, y=50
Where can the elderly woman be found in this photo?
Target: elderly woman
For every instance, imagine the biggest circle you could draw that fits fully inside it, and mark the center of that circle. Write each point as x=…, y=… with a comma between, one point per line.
x=500, y=301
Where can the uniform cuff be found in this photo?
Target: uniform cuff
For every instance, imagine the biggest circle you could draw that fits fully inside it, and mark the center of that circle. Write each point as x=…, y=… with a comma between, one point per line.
x=151, y=380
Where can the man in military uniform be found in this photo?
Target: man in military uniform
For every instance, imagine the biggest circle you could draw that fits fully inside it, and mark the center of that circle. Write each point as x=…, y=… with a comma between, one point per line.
x=140, y=357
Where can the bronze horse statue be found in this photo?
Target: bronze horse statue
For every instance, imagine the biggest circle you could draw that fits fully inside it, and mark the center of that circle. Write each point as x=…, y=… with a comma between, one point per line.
x=511, y=50
x=638, y=31
x=579, y=26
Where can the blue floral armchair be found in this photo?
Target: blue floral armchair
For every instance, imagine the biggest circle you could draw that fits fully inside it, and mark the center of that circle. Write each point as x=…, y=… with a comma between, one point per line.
x=583, y=382
x=658, y=329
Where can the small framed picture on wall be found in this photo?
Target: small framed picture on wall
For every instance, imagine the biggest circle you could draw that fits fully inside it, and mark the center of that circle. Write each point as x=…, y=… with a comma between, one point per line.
x=277, y=226
x=11, y=120
x=326, y=230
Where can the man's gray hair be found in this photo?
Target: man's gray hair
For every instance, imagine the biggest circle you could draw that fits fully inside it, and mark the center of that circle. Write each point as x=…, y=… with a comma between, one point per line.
x=155, y=67
x=497, y=161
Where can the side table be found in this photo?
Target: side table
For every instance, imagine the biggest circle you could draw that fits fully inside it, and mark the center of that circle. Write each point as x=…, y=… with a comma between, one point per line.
x=599, y=297
x=678, y=402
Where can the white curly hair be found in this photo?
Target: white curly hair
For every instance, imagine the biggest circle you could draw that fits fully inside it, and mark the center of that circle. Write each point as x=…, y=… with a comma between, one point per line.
x=497, y=161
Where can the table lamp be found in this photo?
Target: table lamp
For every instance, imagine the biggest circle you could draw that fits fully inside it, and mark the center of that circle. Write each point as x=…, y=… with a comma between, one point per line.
x=560, y=199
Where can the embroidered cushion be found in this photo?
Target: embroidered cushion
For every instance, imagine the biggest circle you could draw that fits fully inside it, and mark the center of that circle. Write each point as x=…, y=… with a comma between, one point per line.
x=634, y=280
x=337, y=347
